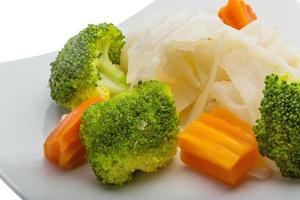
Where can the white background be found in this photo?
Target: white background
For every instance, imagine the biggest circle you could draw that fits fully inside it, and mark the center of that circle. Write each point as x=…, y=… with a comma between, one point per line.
x=35, y=27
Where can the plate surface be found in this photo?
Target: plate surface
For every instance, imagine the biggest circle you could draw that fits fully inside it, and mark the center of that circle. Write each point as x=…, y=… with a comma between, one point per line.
x=28, y=114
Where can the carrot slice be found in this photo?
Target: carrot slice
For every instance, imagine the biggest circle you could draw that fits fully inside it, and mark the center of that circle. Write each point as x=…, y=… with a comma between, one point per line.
x=236, y=132
x=220, y=147
x=64, y=146
x=237, y=14
x=232, y=176
x=202, y=133
x=232, y=119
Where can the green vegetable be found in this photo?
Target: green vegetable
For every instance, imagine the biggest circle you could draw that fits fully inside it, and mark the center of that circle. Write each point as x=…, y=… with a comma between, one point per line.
x=278, y=129
x=87, y=66
x=135, y=130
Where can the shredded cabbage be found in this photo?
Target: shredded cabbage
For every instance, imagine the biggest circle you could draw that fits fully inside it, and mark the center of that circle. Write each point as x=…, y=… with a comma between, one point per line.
x=147, y=44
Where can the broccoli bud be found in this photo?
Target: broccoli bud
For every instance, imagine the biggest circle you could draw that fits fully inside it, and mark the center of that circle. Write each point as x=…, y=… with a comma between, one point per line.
x=135, y=130
x=278, y=129
x=87, y=66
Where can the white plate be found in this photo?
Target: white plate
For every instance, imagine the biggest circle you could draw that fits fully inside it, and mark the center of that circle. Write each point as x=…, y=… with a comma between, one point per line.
x=28, y=114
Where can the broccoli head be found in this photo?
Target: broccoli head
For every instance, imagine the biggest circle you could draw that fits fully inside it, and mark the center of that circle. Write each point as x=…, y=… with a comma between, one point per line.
x=278, y=129
x=135, y=130
x=87, y=66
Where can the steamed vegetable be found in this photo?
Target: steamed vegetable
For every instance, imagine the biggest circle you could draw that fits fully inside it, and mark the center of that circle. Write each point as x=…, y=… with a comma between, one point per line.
x=246, y=64
x=146, y=42
x=270, y=38
x=134, y=131
x=224, y=120
x=64, y=146
x=237, y=14
x=87, y=66
x=278, y=129
x=220, y=145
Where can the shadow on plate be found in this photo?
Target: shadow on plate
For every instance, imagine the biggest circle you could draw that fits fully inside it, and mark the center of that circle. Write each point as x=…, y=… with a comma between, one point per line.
x=142, y=178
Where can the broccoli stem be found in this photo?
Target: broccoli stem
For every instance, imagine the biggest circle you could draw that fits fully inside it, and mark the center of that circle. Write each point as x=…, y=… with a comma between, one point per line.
x=114, y=87
x=111, y=77
x=110, y=70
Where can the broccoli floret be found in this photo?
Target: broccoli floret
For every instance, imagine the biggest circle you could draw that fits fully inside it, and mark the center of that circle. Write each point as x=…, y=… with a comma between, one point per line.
x=135, y=130
x=87, y=66
x=278, y=129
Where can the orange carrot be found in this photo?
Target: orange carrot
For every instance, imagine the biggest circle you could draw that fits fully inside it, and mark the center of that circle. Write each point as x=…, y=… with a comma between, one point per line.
x=237, y=14
x=64, y=146
x=231, y=118
x=232, y=129
x=219, y=148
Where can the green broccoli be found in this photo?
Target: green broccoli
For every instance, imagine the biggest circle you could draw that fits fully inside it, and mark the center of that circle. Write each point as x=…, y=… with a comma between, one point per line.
x=278, y=129
x=87, y=66
x=135, y=130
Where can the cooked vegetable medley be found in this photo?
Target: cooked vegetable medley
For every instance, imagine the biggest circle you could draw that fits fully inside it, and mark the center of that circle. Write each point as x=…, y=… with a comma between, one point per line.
x=223, y=87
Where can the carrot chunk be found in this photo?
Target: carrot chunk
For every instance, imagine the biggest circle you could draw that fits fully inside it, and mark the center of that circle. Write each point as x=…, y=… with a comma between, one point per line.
x=219, y=145
x=237, y=14
x=64, y=146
